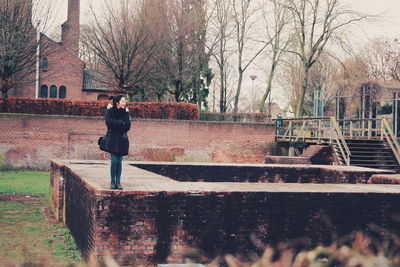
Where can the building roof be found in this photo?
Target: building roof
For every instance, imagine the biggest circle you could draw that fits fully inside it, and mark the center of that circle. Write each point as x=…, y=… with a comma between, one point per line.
x=92, y=82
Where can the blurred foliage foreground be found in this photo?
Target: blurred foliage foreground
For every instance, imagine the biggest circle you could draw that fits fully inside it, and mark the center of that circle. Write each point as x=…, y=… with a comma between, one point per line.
x=355, y=250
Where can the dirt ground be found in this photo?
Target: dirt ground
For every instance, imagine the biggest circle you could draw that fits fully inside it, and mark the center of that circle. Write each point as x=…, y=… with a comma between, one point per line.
x=30, y=233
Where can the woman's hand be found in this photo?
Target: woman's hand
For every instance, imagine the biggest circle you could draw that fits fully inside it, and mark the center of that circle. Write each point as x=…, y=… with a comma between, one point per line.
x=109, y=106
x=127, y=109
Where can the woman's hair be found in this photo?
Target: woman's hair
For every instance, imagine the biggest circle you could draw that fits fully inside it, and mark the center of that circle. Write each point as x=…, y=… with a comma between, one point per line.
x=116, y=99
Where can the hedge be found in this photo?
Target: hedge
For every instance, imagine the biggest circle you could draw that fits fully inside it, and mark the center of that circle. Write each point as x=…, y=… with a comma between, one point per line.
x=145, y=110
x=238, y=117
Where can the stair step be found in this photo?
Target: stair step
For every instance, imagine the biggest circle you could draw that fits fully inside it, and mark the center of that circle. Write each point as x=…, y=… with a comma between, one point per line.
x=368, y=149
x=372, y=160
x=365, y=144
x=369, y=153
x=364, y=140
x=387, y=167
x=369, y=146
x=353, y=157
x=387, y=151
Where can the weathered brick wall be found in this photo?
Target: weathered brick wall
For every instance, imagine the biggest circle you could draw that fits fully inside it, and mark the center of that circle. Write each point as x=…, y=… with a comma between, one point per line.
x=319, y=154
x=32, y=140
x=80, y=200
x=57, y=190
x=143, y=228
x=286, y=160
x=160, y=228
x=264, y=173
x=384, y=179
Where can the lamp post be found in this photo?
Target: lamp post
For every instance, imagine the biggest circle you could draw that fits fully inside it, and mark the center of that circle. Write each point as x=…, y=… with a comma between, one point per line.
x=37, y=59
x=252, y=77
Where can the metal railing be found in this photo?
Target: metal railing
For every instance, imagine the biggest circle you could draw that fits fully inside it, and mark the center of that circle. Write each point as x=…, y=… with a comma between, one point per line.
x=361, y=128
x=328, y=130
x=390, y=139
x=340, y=142
x=313, y=130
x=371, y=129
x=317, y=129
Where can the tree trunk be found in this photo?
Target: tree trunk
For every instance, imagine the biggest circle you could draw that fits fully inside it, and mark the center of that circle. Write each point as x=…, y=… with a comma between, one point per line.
x=177, y=90
x=236, y=104
x=4, y=97
x=300, y=99
x=4, y=92
x=268, y=90
x=222, y=108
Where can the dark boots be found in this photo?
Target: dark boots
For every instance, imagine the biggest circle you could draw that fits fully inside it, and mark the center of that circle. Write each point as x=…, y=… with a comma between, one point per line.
x=115, y=186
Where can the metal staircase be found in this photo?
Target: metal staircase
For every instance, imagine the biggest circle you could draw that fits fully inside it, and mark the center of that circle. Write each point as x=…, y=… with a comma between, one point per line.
x=358, y=142
x=372, y=153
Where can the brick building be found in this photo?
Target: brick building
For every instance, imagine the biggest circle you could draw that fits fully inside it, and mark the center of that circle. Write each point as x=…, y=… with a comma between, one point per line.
x=59, y=72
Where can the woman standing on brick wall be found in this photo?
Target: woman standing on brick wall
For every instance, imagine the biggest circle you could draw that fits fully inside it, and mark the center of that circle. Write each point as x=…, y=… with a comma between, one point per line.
x=118, y=121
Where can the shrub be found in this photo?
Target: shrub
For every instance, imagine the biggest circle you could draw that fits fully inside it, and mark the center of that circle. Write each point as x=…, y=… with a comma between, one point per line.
x=239, y=117
x=386, y=109
x=150, y=110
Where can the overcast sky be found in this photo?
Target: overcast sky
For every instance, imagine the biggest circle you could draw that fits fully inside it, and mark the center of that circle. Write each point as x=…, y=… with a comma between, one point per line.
x=388, y=25
x=389, y=10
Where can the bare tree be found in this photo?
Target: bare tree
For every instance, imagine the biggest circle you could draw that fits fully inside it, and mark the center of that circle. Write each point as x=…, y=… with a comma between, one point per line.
x=290, y=78
x=382, y=58
x=20, y=42
x=181, y=57
x=122, y=39
x=244, y=19
x=279, y=36
x=317, y=23
x=92, y=61
x=351, y=72
x=219, y=34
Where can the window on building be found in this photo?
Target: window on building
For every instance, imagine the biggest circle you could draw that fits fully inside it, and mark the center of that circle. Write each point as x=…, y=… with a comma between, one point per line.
x=53, y=91
x=45, y=63
x=62, y=92
x=43, y=91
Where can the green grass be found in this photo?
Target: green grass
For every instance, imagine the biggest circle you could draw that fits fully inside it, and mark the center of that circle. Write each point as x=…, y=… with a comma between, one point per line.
x=24, y=182
x=26, y=234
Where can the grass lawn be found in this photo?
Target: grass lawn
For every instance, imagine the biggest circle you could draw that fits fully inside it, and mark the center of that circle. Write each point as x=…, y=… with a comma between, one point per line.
x=28, y=232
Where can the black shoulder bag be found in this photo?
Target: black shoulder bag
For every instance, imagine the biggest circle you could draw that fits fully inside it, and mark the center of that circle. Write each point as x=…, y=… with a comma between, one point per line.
x=102, y=142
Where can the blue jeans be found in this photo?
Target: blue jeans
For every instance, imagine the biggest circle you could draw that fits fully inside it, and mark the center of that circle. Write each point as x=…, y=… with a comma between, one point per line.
x=116, y=168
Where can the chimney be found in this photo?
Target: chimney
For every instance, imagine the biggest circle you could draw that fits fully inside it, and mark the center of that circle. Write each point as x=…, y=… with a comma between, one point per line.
x=70, y=28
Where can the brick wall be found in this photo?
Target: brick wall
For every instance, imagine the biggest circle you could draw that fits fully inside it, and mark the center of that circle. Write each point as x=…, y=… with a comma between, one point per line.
x=80, y=200
x=57, y=190
x=146, y=228
x=159, y=228
x=254, y=174
x=32, y=140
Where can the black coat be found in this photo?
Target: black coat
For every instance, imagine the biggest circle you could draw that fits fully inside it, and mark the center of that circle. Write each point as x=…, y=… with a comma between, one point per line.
x=118, y=123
